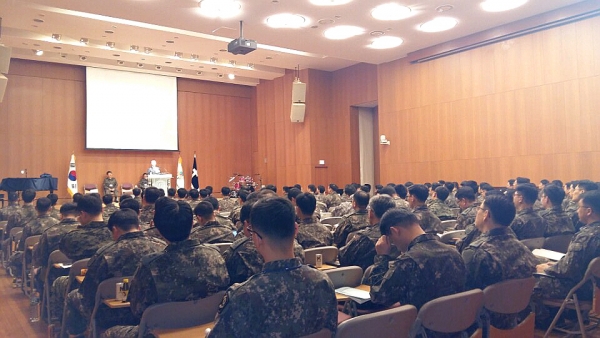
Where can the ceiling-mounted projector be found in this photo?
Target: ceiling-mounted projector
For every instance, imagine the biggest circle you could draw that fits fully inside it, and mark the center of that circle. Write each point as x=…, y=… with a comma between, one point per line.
x=241, y=45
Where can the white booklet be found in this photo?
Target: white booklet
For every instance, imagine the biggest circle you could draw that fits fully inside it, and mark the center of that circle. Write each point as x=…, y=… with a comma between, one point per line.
x=549, y=254
x=355, y=294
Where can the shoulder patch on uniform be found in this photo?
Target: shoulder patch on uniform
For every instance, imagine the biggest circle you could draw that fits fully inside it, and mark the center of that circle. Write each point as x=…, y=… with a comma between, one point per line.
x=224, y=301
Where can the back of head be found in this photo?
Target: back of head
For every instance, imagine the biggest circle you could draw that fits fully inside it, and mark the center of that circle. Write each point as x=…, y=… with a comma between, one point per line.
x=274, y=218
x=554, y=193
x=501, y=208
x=312, y=188
x=213, y=201
x=53, y=198
x=265, y=193
x=486, y=186
x=380, y=204
x=361, y=199
x=28, y=195
x=435, y=185
x=592, y=199
x=225, y=191
x=419, y=191
x=529, y=192
x=522, y=180
x=209, y=188
x=333, y=187
x=256, y=195
x=107, y=199
x=366, y=188
x=397, y=217
x=76, y=197
x=271, y=187
x=171, y=192
x=13, y=196
x=173, y=219
x=124, y=219
x=151, y=195
x=90, y=204
x=245, y=211
x=449, y=186
x=69, y=210
x=558, y=183
x=43, y=204
x=511, y=182
x=243, y=195
x=182, y=193
x=137, y=191
x=544, y=181
x=130, y=203
x=307, y=203
x=124, y=197
x=587, y=185
x=204, y=209
x=96, y=195
x=203, y=193
x=349, y=189
x=407, y=184
x=472, y=184
x=194, y=194
x=298, y=186
x=466, y=193
x=442, y=193
x=321, y=188
x=388, y=190
x=293, y=193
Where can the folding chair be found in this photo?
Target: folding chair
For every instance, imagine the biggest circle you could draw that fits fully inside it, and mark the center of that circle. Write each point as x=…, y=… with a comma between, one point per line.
x=451, y=237
x=55, y=257
x=2, y=235
x=90, y=188
x=345, y=276
x=15, y=236
x=510, y=297
x=177, y=315
x=572, y=302
x=534, y=243
x=331, y=221
x=126, y=189
x=456, y=211
x=321, y=207
x=106, y=290
x=329, y=254
x=222, y=246
x=29, y=247
x=449, y=224
x=449, y=314
x=392, y=323
x=558, y=243
x=75, y=271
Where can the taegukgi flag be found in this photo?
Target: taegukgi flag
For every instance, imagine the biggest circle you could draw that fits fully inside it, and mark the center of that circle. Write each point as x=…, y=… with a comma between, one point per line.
x=72, y=177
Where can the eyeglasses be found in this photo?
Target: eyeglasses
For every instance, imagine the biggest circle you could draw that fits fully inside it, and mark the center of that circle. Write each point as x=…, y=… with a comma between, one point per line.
x=482, y=208
x=251, y=231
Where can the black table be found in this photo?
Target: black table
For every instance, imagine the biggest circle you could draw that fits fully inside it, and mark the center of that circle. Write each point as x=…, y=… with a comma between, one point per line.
x=20, y=184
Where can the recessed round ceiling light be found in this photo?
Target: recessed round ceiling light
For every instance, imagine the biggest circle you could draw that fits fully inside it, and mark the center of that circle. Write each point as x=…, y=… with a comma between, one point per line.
x=501, y=5
x=147, y=50
x=158, y=67
x=220, y=8
x=438, y=24
x=329, y=2
x=231, y=76
x=385, y=42
x=134, y=48
x=84, y=41
x=56, y=37
x=110, y=45
x=390, y=11
x=342, y=32
x=38, y=52
x=286, y=20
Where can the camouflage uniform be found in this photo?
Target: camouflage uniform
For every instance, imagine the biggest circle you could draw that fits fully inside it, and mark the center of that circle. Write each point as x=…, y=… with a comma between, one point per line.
x=226, y=204
x=430, y=223
x=528, y=224
x=108, y=210
x=346, y=198
x=343, y=209
x=226, y=222
x=287, y=299
x=110, y=186
x=401, y=203
x=117, y=259
x=143, y=184
x=234, y=217
x=570, y=207
x=55, y=213
x=20, y=219
x=243, y=261
x=193, y=203
x=496, y=256
x=184, y=271
x=313, y=234
x=441, y=210
x=212, y=232
x=429, y=269
x=139, y=199
x=9, y=210
x=451, y=201
x=360, y=250
x=332, y=200
x=466, y=217
x=350, y=223
x=33, y=228
x=84, y=241
x=147, y=213
x=557, y=222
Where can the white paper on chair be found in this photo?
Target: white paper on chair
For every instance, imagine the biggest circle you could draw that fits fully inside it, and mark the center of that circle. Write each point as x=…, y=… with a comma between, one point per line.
x=549, y=254
x=356, y=295
x=64, y=265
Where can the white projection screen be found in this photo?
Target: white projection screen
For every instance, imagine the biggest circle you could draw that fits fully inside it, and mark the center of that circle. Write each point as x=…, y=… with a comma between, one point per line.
x=130, y=111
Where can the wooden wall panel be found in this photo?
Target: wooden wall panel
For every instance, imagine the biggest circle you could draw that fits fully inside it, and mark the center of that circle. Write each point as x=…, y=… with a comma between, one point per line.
x=523, y=107
x=42, y=121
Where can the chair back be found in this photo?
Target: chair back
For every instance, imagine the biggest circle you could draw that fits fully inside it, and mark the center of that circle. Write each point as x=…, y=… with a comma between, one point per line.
x=449, y=224
x=329, y=254
x=222, y=246
x=32, y=240
x=451, y=236
x=396, y=322
x=321, y=207
x=90, y=188
x=454, y=313
x=534, y=243
x=106, y=290
x=510, y=296
x=331, y=220
x=75, y=271
x=127, y=189
x=3, y=228
x=177, y=315
x=456, y=211
x=55, y=257
x=345, y=276
x=14, y=231
x=558, y=243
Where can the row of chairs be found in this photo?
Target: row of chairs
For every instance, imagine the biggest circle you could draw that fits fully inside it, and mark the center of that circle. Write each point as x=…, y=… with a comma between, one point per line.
x=126, y=188
x=558, y=243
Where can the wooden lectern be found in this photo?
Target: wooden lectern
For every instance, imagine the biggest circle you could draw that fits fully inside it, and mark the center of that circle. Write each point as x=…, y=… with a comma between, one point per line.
x=160, y=181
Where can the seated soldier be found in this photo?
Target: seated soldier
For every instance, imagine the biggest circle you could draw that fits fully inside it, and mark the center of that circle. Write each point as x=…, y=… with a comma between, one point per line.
x=26, y=214
x=137, y=195
x=186, y=270
x=527, y=223
x=360, y=249
x=345, y=207
x=55, y=213
x=438, y=207
x=401, y=192
x=171, y=192
x=149, y=197
x=426, y=269
x=117, y=259
x=226, y=204
x=208, y=230
x=311, y=233
x=352, y=222
x=182, y=194
x=578, y=189
x=497, y=255
x=332, y=199
x=143, y=183
x=287, y=299
x=234, y=216
x=110, y=185
x=451, y=201
x=109, y=207
x=557, y=221
x=225, y=221
x=194, y=198
x=417, y=195
x=465, y=197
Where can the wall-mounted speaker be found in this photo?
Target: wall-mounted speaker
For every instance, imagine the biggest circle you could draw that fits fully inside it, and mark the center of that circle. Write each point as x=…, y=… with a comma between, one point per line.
x=298, y=92
x=4, y=58
x=3, y=82
x=298, y=110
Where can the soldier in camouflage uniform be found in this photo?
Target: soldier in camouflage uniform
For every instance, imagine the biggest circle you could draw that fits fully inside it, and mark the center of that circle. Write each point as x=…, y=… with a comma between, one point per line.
x=497, y=255
x=226, y=204
x=332, y=199
x=417, y=195
x=234, y=216
x=26, y=214
x=360, y=250
x=570, y=269
x=580, y=187
x=110, y=185
x=437, y=205
x=466, y=219
x=186, y=270
x=208, y=230
x=137, y=195
x=55, y=213
x=287, y=299
x=242, y=259
x=117, y=259
x=12, y=207
x=150, y=196
x=557, y=221
x=451, y=201
x=109, y=207
x=35, y=227
x=352, y=222
x=426, y=269
x=194, y=198
x=311, y=233
x=527, y=223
